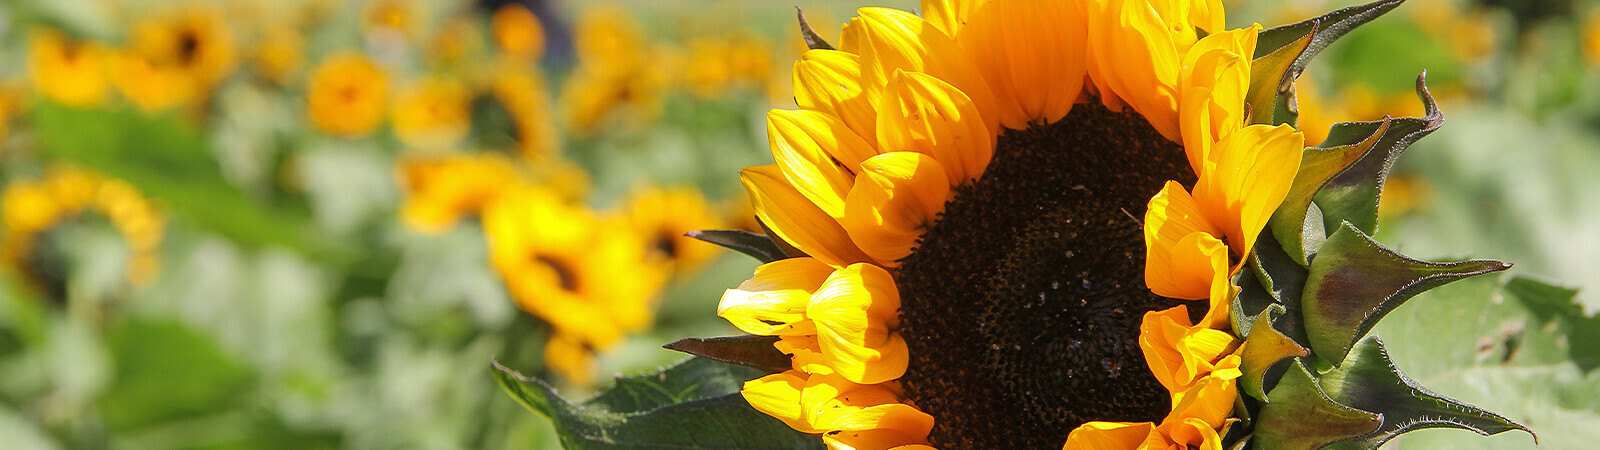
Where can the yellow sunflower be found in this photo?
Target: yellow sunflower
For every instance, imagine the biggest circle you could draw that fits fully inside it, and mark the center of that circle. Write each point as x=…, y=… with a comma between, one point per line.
x=517, y=31
x=432, y=113
x=279, y=53
x=1021, y=218
x=65, y=71
x=589, y=277
x=526, y=98
x=618, y=74
x=30, y=208
x=441, y=190
x=175, y=60
x=346, y=95
x=664, y=216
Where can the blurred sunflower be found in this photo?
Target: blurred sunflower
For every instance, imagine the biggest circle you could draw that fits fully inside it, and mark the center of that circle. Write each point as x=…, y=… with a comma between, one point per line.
x=175, y=60
x=663, y=216
x=523, y=95
x=1024, y=219
x=587, y=276
x=432, y=113
x=345, y=96
x=278, y=53
x=30, y=209
x=517, y=32
x=719, y=66
x=66, y=71
x=617, y=74
x=440, y=190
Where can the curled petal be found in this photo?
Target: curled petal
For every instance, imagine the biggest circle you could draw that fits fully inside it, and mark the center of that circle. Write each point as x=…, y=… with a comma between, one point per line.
x=805, y=354
x=1190, y=433
x=1211, y=397
x=795, y=219
x=1215, y=79
x=817, y=154
x=830, y=81
x=1179, y=353
x=773, y=301
x=1245, y=178
x=854, y=312
x=1174, y=270
x=893, y=40
x=897, y=196
x=924, y=114
x=1109, y=436
x=778, y=395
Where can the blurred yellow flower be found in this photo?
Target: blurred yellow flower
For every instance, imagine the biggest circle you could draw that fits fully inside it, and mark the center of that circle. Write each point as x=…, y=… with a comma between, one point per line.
x=66, y=71
x=441, y=190
x=346, y=95
x=1591, y=38
x=277, y=54
x=517, y=31
x=457, y=45
x=175, y=60
x=616, y=73
x=390, y=16
x=432, y=113
x=525, y=96
x=719, y=66
x=587, y=276
x=664, y=215
x=30, y=208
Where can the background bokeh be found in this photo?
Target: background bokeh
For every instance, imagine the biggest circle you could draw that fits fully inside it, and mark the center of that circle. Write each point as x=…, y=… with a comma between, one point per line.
x=306, y=224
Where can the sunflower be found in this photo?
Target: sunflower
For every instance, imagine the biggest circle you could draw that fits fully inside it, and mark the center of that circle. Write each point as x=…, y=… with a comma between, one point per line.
x=664, y=216
x=526, y=99
x=517, y=31
x=441, y=190
x=617, y=73
x=587, y=276
x=346, y=95
x=31, y=208
x=431, y=113
x=66, y=71
x=279, y=53
x=1023, y=223
x=175, y=60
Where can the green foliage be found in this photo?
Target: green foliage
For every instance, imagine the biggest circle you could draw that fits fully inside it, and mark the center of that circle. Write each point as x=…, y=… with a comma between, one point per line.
x=1282, y=53
x=695, y=404
x=165, y=371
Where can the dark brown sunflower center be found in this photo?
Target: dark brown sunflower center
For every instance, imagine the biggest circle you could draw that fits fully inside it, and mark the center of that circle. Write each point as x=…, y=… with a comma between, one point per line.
x=1022, y=304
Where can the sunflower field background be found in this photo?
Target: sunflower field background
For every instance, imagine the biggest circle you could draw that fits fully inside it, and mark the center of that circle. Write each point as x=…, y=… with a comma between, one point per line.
x=314, y=224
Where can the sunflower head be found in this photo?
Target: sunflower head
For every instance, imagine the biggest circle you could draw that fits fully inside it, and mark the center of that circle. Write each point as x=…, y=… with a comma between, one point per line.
x=34, y=209
x=432, y=113
x=65, y=70
x=345, y=96
x=1031, y=223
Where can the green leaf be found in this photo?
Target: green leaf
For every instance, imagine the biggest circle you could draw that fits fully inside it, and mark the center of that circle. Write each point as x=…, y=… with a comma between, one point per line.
x=1282, y=53
x=695, y=404
x=1265, y=347
x=751, y=351
x=1280, y=275
x=813, y=40
x=1369, y=381
x=1318, y=166
x=1301, y=416
x=760, y=247
x=1554, y=305
x=1353, y=195
x=1355, y=281
x=165, y=371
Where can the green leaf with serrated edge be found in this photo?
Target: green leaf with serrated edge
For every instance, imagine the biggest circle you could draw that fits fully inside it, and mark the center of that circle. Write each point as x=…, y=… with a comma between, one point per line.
x=1301, y=416
x=704, y=421
x=1553, y=305
x=1252, y=300
x=1264, y=347
x=1369, y=381
x=749, y=351
x=1270, y=81
x=1355, y=281
x=1328, y=28
x=1318, y=165
x=813, y=40
x=1353, y=195
x=760, y=247
x=1298, y=43
x=1282, y=277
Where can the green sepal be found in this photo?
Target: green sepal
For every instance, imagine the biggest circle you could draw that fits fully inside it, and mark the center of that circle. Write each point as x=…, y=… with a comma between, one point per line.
x=813, y=40
x=760, y=247
x=1278, y=273
x=1265, y=347
x=751, y=351
x=1318, y=166
x=1355, y=281
x=1369, y=381
x=1272, y=87
x=1301, y=416
x=695, y=404
x=1353, y=195
x=1283, y=52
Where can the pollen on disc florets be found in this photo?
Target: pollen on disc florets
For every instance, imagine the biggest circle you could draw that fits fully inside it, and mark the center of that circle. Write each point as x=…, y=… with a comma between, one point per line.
x=1023, y=303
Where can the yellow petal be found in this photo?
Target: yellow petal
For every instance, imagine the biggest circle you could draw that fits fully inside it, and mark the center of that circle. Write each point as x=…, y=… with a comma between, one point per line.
x=1211, y=397
x=854, y=312
x=893, y=40
x=778, y=395
x=1170, y=270
x=926, y=115
x=773, y=301
x=1135, y=59
x=1245, y=179
x=897, y=196
x=569, y=357
x=795, y=219
x=850, y=36
x=830, y=81
x=1191, y=433
x=950, y=15
x=1032, y=54
x=1215, y=80
x=805, y=354
x=833, y=403
x=817, y=154
x=1109, y=436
